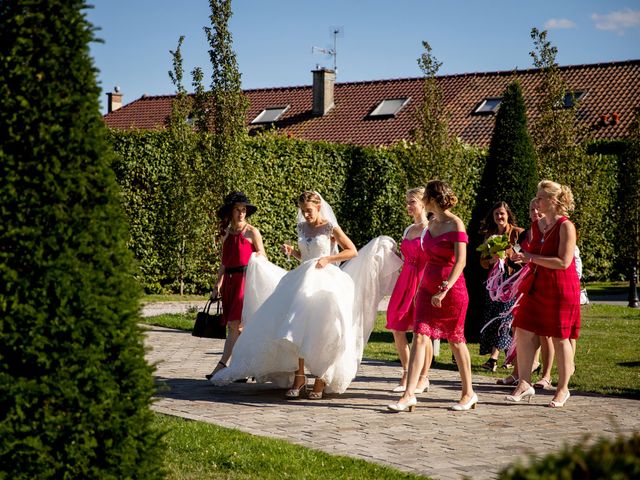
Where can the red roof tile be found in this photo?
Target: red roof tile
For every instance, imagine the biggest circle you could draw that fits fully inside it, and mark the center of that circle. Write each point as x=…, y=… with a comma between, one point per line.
x=610, y=88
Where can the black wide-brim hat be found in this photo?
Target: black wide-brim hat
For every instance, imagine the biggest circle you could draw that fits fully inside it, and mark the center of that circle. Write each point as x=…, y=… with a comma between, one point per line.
x=233, y=198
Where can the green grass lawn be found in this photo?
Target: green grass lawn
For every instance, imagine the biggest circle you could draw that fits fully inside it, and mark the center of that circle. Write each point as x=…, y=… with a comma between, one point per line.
x=198, y=450
x=173, y=298
x=607, y=359
x=607, y=288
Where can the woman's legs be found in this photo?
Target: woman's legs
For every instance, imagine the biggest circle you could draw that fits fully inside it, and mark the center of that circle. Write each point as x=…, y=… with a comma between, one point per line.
x=233, y=329
x=463, y=359
x=564, y=352
x=299, y=378
x=402, y=346
x=420, y=347
x=423, y=380
x=526, y=345
x=548, y=352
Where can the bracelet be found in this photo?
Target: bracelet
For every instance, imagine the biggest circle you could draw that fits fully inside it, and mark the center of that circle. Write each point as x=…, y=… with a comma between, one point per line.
x=444, y=286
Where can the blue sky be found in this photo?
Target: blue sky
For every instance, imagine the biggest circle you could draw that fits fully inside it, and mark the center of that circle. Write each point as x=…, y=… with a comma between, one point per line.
x=380, y=39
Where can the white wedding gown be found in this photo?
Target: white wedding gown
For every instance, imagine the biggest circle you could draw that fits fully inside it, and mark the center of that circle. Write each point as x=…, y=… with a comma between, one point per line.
x=324, y=315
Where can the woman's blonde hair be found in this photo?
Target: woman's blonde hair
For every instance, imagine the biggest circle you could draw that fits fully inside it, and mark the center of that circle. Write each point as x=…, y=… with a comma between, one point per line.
x=417, y=193
x=560, y=195
x=441, y=193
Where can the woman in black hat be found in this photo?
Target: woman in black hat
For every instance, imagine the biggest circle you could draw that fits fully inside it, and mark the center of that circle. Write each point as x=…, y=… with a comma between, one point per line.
x=239, y=241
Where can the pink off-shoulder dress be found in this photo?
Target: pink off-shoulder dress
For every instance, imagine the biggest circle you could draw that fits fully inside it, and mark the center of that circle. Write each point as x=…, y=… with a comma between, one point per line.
x=401, y=310
x=448, y=320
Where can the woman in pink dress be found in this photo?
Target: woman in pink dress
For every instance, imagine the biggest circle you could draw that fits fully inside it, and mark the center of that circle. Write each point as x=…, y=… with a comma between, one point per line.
x=400, y=311
x=239, y=241
x=442, y=300
x=550, y=305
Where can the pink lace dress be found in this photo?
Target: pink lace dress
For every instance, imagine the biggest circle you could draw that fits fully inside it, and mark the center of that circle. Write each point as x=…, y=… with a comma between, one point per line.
x=400, y=311
x=448, y=320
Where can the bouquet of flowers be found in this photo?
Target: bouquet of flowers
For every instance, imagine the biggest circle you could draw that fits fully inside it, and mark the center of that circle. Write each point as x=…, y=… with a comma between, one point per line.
x=494, y=245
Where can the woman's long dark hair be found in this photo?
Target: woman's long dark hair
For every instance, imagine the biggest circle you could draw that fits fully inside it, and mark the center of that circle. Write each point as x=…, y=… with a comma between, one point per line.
x=489, y=227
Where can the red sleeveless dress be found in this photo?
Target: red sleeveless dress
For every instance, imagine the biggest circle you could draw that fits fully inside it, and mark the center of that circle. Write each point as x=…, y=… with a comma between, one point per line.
x=552, y=305
x=400, y=311
x=448, y=320
x=236, y=251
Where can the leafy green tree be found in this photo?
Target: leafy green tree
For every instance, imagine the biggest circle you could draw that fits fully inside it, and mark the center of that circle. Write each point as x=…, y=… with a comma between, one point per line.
x=560, y=142
x=187, y=247
x=228, y=103
x=431, y=133
x=75, y=389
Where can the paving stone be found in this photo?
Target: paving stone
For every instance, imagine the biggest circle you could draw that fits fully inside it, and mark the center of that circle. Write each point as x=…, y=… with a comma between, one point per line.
x=430, y=441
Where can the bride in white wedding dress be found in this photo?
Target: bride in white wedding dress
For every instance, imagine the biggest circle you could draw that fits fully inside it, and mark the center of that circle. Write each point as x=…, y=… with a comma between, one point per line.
x=316, y=318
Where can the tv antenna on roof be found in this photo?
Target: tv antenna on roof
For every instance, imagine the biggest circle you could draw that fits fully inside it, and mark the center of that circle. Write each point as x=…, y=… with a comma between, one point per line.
x=336, y=32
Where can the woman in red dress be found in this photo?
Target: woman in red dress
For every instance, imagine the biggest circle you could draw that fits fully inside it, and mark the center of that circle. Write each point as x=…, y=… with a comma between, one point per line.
x=550, y=305
x=441, y=300
x=401, y=310
x=239, y=241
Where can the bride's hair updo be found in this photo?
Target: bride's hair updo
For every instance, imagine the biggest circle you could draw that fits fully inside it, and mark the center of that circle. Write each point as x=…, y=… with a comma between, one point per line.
x=560, y=195
x=441, y=193
x=312, y=197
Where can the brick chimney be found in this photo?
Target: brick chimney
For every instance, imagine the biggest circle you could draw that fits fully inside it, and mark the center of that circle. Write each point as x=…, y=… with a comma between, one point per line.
x=114, y=100
x=323, y=81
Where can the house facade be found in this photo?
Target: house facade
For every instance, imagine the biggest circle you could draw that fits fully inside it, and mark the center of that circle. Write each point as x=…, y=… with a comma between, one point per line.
x=381, y=112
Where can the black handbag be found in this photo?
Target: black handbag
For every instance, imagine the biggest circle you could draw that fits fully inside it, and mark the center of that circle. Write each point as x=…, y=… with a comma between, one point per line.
x=209, y=325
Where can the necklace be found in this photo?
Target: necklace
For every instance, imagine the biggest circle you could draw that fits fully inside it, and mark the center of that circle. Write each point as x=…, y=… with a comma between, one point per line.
x=547, y=230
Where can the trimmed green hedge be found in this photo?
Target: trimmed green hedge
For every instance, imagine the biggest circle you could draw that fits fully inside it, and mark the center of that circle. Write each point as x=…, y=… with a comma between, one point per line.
x=365, y=185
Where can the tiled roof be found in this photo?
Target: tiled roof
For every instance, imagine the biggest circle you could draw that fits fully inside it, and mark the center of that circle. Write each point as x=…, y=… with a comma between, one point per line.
x=612, y=89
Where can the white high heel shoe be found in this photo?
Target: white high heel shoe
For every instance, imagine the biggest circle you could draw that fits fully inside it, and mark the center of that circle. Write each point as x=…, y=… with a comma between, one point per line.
x=471, y=404
x=425, y=388
x=526, y=395
x=401, y=407
x=401, y=388
x=557, y=404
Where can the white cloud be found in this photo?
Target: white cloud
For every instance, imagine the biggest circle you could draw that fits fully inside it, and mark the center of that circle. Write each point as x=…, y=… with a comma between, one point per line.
x=558, y=23
x=618, y=21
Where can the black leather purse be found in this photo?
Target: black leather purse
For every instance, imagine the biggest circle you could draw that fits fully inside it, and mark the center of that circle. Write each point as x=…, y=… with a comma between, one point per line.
x=209, y=325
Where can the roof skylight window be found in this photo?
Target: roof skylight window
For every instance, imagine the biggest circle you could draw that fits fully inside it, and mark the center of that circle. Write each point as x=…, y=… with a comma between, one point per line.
x=571, y=98
x=270, y=114
x=488, y=105
x=389, y=107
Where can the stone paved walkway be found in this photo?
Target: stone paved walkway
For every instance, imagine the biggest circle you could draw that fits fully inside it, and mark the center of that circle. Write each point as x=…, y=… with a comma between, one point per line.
x=430, y=441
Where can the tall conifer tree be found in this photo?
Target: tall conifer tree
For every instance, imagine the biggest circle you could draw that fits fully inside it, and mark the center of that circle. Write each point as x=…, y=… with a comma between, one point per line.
x=75, y=389
x=510, y=174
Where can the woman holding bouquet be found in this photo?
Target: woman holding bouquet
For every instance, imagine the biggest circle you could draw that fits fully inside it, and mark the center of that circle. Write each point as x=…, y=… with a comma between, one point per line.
x=550, y=305
x=500, y=234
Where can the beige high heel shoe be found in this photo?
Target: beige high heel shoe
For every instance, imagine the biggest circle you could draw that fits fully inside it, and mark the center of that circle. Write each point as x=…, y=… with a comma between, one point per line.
x=557, y=404
x=401, y=407
x=462, y=407
x=293, y=392
x=526, y=395
x=313, y=395
x=425, y=388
